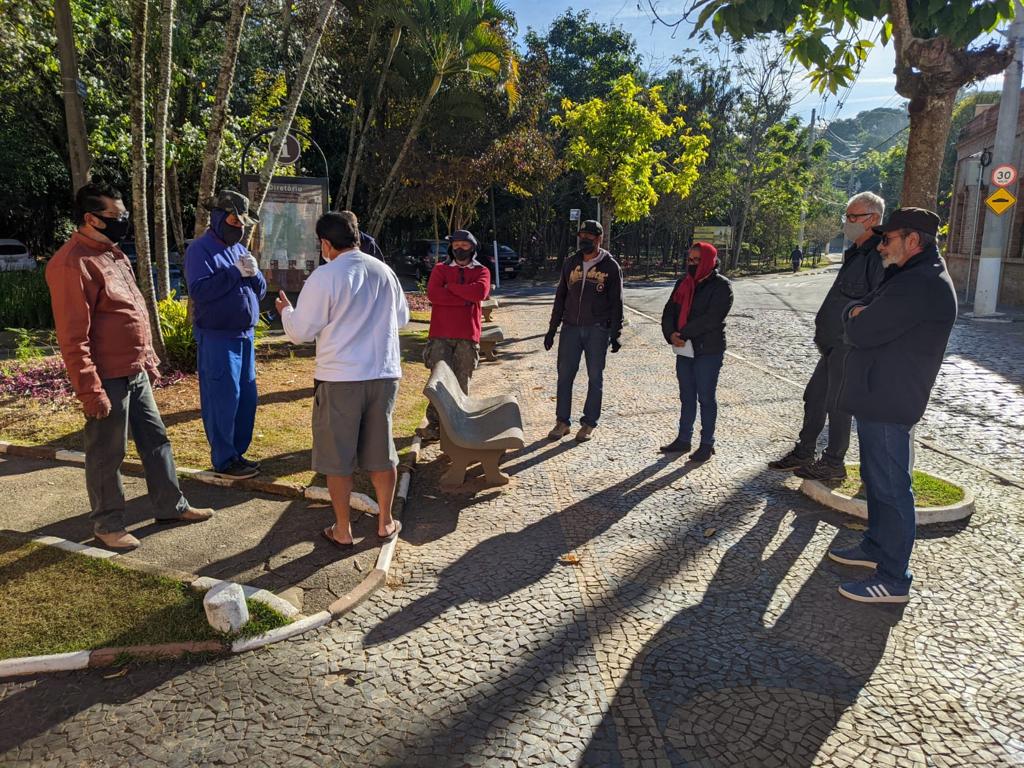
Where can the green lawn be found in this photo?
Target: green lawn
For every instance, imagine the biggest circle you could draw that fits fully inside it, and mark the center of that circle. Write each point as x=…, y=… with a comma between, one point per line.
x=929, y=491
x=57, y=602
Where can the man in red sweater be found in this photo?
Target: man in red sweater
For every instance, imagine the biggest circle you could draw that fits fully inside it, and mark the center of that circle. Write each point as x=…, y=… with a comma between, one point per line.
x=455, y=289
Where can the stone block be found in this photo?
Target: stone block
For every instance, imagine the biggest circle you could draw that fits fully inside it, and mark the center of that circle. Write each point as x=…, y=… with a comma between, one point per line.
x=225, y=607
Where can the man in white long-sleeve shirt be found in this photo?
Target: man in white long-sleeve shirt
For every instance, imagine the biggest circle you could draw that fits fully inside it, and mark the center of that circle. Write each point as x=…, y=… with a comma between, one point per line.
x=353, y=306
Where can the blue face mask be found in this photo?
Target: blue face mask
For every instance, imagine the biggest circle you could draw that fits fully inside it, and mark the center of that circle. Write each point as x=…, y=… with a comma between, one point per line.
x=226, y=232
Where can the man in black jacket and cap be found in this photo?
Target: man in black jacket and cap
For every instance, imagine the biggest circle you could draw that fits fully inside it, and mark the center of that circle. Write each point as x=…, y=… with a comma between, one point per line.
x=898, y=336
x=860, y=274
x=588, y=306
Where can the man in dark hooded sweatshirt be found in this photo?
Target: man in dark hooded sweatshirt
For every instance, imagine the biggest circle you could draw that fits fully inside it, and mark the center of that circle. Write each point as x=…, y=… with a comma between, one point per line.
x=693, y=322
x=588, y=306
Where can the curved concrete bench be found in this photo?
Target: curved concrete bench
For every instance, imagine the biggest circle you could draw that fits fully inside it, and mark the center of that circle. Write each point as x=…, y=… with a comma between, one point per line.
x=489, y=338
x=473, y=429
x=488, y=307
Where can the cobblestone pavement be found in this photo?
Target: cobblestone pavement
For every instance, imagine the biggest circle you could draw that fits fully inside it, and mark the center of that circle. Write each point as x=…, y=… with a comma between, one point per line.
x=977, y=406
x=700, y=626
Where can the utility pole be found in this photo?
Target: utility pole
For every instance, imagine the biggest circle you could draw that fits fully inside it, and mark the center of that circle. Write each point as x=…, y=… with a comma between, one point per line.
x=803, y=197
x=74, y=115
x=997, y=228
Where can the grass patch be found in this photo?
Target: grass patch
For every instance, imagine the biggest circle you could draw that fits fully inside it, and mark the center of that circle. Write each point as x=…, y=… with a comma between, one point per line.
x=419, y=317
x=282, y=439
x=57, y=602
x=929, y=491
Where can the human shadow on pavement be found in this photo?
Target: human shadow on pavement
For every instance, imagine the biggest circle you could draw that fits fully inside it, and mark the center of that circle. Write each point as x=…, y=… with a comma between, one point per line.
x=719, y=686
x=504, y=564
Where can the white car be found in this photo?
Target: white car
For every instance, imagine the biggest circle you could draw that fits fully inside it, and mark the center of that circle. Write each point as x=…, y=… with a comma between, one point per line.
x=14, y=255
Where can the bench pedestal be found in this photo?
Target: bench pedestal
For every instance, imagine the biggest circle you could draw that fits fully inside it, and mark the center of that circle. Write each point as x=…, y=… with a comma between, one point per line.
x=462, y=459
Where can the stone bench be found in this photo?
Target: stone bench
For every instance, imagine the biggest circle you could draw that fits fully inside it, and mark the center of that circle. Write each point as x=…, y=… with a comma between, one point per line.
x=473, y=429
x=490, y=335
x=488, y=307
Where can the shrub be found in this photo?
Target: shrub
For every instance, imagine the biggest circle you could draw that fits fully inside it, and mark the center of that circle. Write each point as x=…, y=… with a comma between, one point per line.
x=25, y=299
x=179, y=338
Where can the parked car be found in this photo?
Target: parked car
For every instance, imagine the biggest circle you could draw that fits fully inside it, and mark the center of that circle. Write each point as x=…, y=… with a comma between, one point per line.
x=420, y=257
x=15, y=256
x=175, y=267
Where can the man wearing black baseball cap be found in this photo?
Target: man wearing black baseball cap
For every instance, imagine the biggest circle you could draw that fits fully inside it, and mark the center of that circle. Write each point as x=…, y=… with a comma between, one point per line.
x=226, y=285
x=588, y=306
x=898, y=335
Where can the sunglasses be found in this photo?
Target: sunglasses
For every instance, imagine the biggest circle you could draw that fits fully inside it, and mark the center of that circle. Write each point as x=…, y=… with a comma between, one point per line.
x=886, y=239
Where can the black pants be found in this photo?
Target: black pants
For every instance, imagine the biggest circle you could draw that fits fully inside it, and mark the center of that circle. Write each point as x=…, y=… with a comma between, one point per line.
x=820, y=403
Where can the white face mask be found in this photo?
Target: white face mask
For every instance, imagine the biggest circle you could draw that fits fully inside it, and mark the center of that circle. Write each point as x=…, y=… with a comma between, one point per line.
x=854, y=230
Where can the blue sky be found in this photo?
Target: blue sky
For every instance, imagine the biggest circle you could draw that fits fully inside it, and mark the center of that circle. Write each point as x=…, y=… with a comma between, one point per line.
x=874, y=86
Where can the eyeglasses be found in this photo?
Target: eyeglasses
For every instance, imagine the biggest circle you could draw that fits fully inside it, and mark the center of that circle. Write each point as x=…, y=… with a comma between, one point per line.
x=856, y=216
x=888, y=237
x=116, y=215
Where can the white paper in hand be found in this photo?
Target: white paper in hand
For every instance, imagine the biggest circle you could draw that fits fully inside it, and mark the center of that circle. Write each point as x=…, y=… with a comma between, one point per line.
x=686, y=350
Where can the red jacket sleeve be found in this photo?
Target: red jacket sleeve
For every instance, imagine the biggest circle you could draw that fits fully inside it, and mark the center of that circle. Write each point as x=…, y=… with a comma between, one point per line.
x=475, y=290
x=437, y=293
x=73, y=298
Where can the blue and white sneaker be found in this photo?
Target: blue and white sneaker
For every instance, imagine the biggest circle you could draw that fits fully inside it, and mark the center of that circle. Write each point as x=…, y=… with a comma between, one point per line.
x=854, y=555
x=875, y=589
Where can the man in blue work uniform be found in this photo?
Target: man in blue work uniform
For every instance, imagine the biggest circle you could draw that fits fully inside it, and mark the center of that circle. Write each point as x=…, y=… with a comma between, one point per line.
x=226, y=285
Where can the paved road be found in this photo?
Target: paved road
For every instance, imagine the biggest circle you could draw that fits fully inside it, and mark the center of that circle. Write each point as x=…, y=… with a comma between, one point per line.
x=977, y=407
x=697, y=623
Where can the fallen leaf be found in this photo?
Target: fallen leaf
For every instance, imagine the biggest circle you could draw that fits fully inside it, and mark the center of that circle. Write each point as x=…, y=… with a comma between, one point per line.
x=120, y=673
x=709, y=532
x=570, y=559
x=317, y=505
x=855, y=526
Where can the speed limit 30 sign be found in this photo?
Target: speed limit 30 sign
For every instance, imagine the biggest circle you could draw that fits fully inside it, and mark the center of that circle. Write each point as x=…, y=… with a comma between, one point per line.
x=1004, y=175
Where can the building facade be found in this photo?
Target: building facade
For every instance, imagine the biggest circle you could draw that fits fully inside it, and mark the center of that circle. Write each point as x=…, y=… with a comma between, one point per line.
x=971, y=185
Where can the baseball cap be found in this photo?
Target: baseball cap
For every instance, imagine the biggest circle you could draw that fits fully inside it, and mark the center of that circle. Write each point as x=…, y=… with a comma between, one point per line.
x=233, y=202
x=910, y=218
x=592, y=227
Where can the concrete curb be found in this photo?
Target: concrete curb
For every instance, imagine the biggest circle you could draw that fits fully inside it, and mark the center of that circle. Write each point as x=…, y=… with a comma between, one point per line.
x=858, y=508
x=104, y=657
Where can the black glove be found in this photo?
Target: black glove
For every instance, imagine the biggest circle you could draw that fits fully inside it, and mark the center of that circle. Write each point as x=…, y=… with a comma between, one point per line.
x=616, y=346
x=549, y=339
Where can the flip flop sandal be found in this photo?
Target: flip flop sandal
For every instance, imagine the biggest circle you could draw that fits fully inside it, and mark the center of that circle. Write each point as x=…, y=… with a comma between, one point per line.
x=334, y=541
x=393, y=534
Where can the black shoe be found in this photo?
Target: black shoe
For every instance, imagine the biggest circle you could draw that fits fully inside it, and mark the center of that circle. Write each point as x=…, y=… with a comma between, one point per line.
x=676, y=446
x=236, y=470
x=702, y=454
x=247, y=463
x=792, y=460
x=822, y=469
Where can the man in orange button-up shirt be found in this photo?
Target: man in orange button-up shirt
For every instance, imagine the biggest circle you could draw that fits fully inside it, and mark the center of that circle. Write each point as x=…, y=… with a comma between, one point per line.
x=104, y=335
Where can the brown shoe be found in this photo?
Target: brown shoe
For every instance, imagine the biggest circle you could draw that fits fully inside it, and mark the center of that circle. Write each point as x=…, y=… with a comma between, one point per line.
x=119, y=540
x=190, y=515
x=584, y=434
x=561, y=430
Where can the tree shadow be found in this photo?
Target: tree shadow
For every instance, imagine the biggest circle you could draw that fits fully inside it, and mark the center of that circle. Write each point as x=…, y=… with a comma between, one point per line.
x=525, y=556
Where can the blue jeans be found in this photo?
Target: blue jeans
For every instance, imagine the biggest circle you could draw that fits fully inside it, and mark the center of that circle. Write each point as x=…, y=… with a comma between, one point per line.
x=892, y=523
x=574, y=342
x=227, y=395
x=698, y=381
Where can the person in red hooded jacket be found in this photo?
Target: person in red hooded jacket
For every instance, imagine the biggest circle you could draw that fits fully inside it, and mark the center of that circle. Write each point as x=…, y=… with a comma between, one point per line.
x=693, y=322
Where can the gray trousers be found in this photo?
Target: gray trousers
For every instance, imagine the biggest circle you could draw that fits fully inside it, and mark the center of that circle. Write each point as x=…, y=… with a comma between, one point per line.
x=462, y=356
x=106, y=441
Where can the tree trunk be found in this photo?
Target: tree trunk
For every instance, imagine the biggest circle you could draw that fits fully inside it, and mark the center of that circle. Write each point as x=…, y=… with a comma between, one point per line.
x=219, y=116
x=174, y=204
x=163, y=96
x=354, y=126
x=387, y=193
x=350, y=195
x=298, y=87
x=606, y=223
x=929, y=128
x=78, y=144
x=140, y=28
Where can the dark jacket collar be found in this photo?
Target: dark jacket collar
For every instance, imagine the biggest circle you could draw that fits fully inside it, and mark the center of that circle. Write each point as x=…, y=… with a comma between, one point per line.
x=869, y=245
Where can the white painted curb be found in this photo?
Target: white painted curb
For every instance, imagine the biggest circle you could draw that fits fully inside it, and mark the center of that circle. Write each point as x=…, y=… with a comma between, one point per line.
x=282, y=633
x=74, y=546
x=206, y=583
x=58, y=662
x=358, y=501
x=822, y=494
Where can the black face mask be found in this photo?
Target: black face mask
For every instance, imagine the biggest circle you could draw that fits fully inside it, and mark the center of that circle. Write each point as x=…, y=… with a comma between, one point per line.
x=692, y=269
x=229, y=234
x=114, y=229
x=588, y=246
x=462, y=256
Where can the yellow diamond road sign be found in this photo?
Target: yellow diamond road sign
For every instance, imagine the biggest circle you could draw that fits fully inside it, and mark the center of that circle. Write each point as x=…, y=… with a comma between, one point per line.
x=1000, y=201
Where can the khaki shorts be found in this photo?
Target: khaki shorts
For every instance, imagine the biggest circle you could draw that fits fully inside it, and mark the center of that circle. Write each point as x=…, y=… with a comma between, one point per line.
x=352, y=426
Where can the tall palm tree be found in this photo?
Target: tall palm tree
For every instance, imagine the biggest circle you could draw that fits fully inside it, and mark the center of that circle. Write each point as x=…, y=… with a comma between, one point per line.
x=457, y=38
